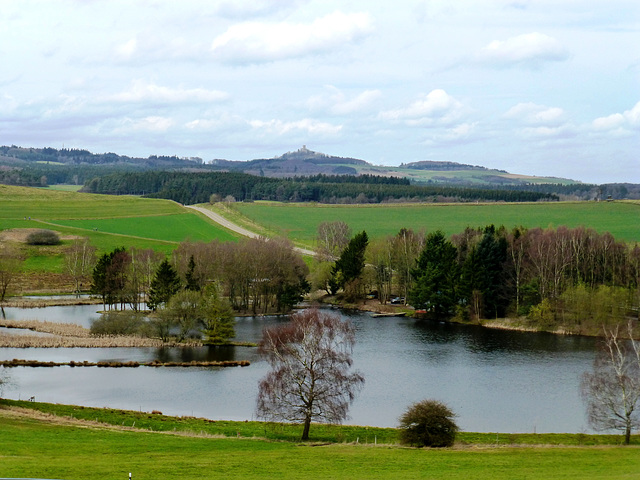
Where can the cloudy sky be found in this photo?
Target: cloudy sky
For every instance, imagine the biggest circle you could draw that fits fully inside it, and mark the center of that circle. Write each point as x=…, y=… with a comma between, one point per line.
x=542, y=87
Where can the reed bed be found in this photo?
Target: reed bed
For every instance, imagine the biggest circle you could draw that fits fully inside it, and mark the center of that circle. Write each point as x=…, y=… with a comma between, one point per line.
x=103, y=364
x=49, y=302
x=62, y=329
x=32, y=341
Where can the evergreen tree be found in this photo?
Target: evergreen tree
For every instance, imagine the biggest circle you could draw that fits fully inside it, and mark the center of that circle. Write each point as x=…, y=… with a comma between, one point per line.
x=192, y=282
x=164, y=285
x=109, y=276
x=435, y=276
x=350, y=264
x=217, y=317
x=483, y=277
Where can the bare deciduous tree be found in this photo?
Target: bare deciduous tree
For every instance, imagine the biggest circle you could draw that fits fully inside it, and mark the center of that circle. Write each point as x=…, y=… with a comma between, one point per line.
x=10, y=265
x=79, y=261
x=310, y=378
x=612, y=390
x=332, y=239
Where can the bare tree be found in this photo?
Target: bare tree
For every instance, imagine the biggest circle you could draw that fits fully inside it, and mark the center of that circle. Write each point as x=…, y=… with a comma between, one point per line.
x=10, y=266
x=5, y=380
x=310, y=378
x=79, y=261
x=612, y=390
x=332, y=239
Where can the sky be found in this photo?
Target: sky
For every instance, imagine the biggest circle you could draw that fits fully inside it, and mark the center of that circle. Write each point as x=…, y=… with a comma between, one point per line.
x=536, y=87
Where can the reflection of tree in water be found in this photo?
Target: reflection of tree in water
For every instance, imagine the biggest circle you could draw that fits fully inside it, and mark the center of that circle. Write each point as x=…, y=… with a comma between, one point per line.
x=476, y=339
x=5, y=380
x=202, y=354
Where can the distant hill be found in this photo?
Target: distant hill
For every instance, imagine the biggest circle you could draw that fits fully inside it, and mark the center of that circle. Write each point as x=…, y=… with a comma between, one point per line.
x=302, y=162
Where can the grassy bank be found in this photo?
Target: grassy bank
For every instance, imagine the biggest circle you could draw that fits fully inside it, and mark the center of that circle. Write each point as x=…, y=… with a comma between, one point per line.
x=55, y=447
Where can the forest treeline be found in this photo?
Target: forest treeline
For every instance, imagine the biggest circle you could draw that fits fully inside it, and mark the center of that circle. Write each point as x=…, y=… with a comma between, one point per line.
x=190, y=188
x=575, y=280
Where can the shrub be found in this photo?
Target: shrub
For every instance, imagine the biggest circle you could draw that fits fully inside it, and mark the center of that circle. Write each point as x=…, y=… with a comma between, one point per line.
x=43, y=237
x=119, y=323
x=428, y=423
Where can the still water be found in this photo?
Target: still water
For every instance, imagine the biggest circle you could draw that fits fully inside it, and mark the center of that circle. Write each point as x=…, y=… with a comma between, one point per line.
x=496, y=381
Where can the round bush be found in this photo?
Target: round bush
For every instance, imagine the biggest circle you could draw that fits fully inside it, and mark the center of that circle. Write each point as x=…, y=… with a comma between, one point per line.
x=428, y=423
x=43, y=237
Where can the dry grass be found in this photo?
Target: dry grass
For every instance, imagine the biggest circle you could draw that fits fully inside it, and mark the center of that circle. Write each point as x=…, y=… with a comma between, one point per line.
x=32, y=341
x=18, y=302
x=61, y=329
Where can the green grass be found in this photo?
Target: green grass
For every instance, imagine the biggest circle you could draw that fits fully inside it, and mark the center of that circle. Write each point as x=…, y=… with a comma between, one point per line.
x=290, y=432
x=172, y=228
x=41, y=449
x=299, y=222
x=65, y=188
x=108, y=221
x=46, y=204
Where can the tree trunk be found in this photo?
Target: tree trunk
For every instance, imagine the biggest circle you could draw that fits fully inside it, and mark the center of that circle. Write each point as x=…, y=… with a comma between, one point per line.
x=305, y=431
x=627, y=435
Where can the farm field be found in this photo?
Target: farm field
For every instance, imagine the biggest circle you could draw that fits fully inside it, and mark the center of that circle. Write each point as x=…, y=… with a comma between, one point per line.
x=108, y=222
x=299, y=221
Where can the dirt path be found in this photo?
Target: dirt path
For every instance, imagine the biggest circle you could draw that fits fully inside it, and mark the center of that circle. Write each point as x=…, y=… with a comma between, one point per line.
x=219, y=219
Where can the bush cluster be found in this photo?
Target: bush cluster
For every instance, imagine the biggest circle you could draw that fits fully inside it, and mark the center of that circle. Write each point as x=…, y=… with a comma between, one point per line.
x=428, y=423
x=43, y=237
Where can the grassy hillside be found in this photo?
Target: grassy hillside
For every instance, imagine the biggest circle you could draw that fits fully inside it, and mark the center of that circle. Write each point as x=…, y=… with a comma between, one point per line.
x=98, y=451
x=299, y=221
x=108, y=221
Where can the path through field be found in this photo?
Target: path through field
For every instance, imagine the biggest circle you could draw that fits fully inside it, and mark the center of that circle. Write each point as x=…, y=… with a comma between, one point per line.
x=219, y=219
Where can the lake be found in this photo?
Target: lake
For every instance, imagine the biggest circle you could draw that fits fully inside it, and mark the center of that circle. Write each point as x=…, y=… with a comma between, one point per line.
x=496, y=381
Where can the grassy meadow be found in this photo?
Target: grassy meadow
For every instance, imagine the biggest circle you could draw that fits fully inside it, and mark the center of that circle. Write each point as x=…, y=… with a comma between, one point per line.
x=57, y=447
x=108, y=222
x=299, y=222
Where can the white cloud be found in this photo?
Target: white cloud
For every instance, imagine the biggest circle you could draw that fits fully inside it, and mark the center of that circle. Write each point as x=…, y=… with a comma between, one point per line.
x=336, y=102
x=459, y=134
x=150, y=124
x=257, y=42
x=253, y=8
x=141, y=91
x=278, y=127
x=619, y=122
x=532, y=114
x=549, y=133
x=435, y=108
x=530, y=50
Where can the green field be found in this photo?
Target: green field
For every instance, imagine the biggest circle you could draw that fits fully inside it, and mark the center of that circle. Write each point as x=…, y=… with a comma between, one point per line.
x=107, y=221
x=44, y=448
x=299, y=222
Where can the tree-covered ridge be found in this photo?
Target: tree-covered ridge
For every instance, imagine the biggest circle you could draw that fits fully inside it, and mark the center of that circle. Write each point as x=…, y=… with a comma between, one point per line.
x=188, y=188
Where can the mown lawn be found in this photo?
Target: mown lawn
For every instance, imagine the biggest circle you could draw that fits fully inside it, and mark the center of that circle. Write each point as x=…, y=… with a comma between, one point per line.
x=42, y=449
x=299, y=222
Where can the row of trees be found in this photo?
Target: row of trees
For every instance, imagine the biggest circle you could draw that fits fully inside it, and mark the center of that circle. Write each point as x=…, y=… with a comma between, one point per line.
x=188, y=188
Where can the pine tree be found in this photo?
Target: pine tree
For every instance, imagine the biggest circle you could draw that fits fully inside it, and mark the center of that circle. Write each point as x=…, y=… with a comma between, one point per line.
x=436, y=277
x=350, y=265
x=164, y=285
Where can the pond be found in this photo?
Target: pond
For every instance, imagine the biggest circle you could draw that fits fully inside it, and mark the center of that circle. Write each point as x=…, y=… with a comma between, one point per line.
x=496, y=381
